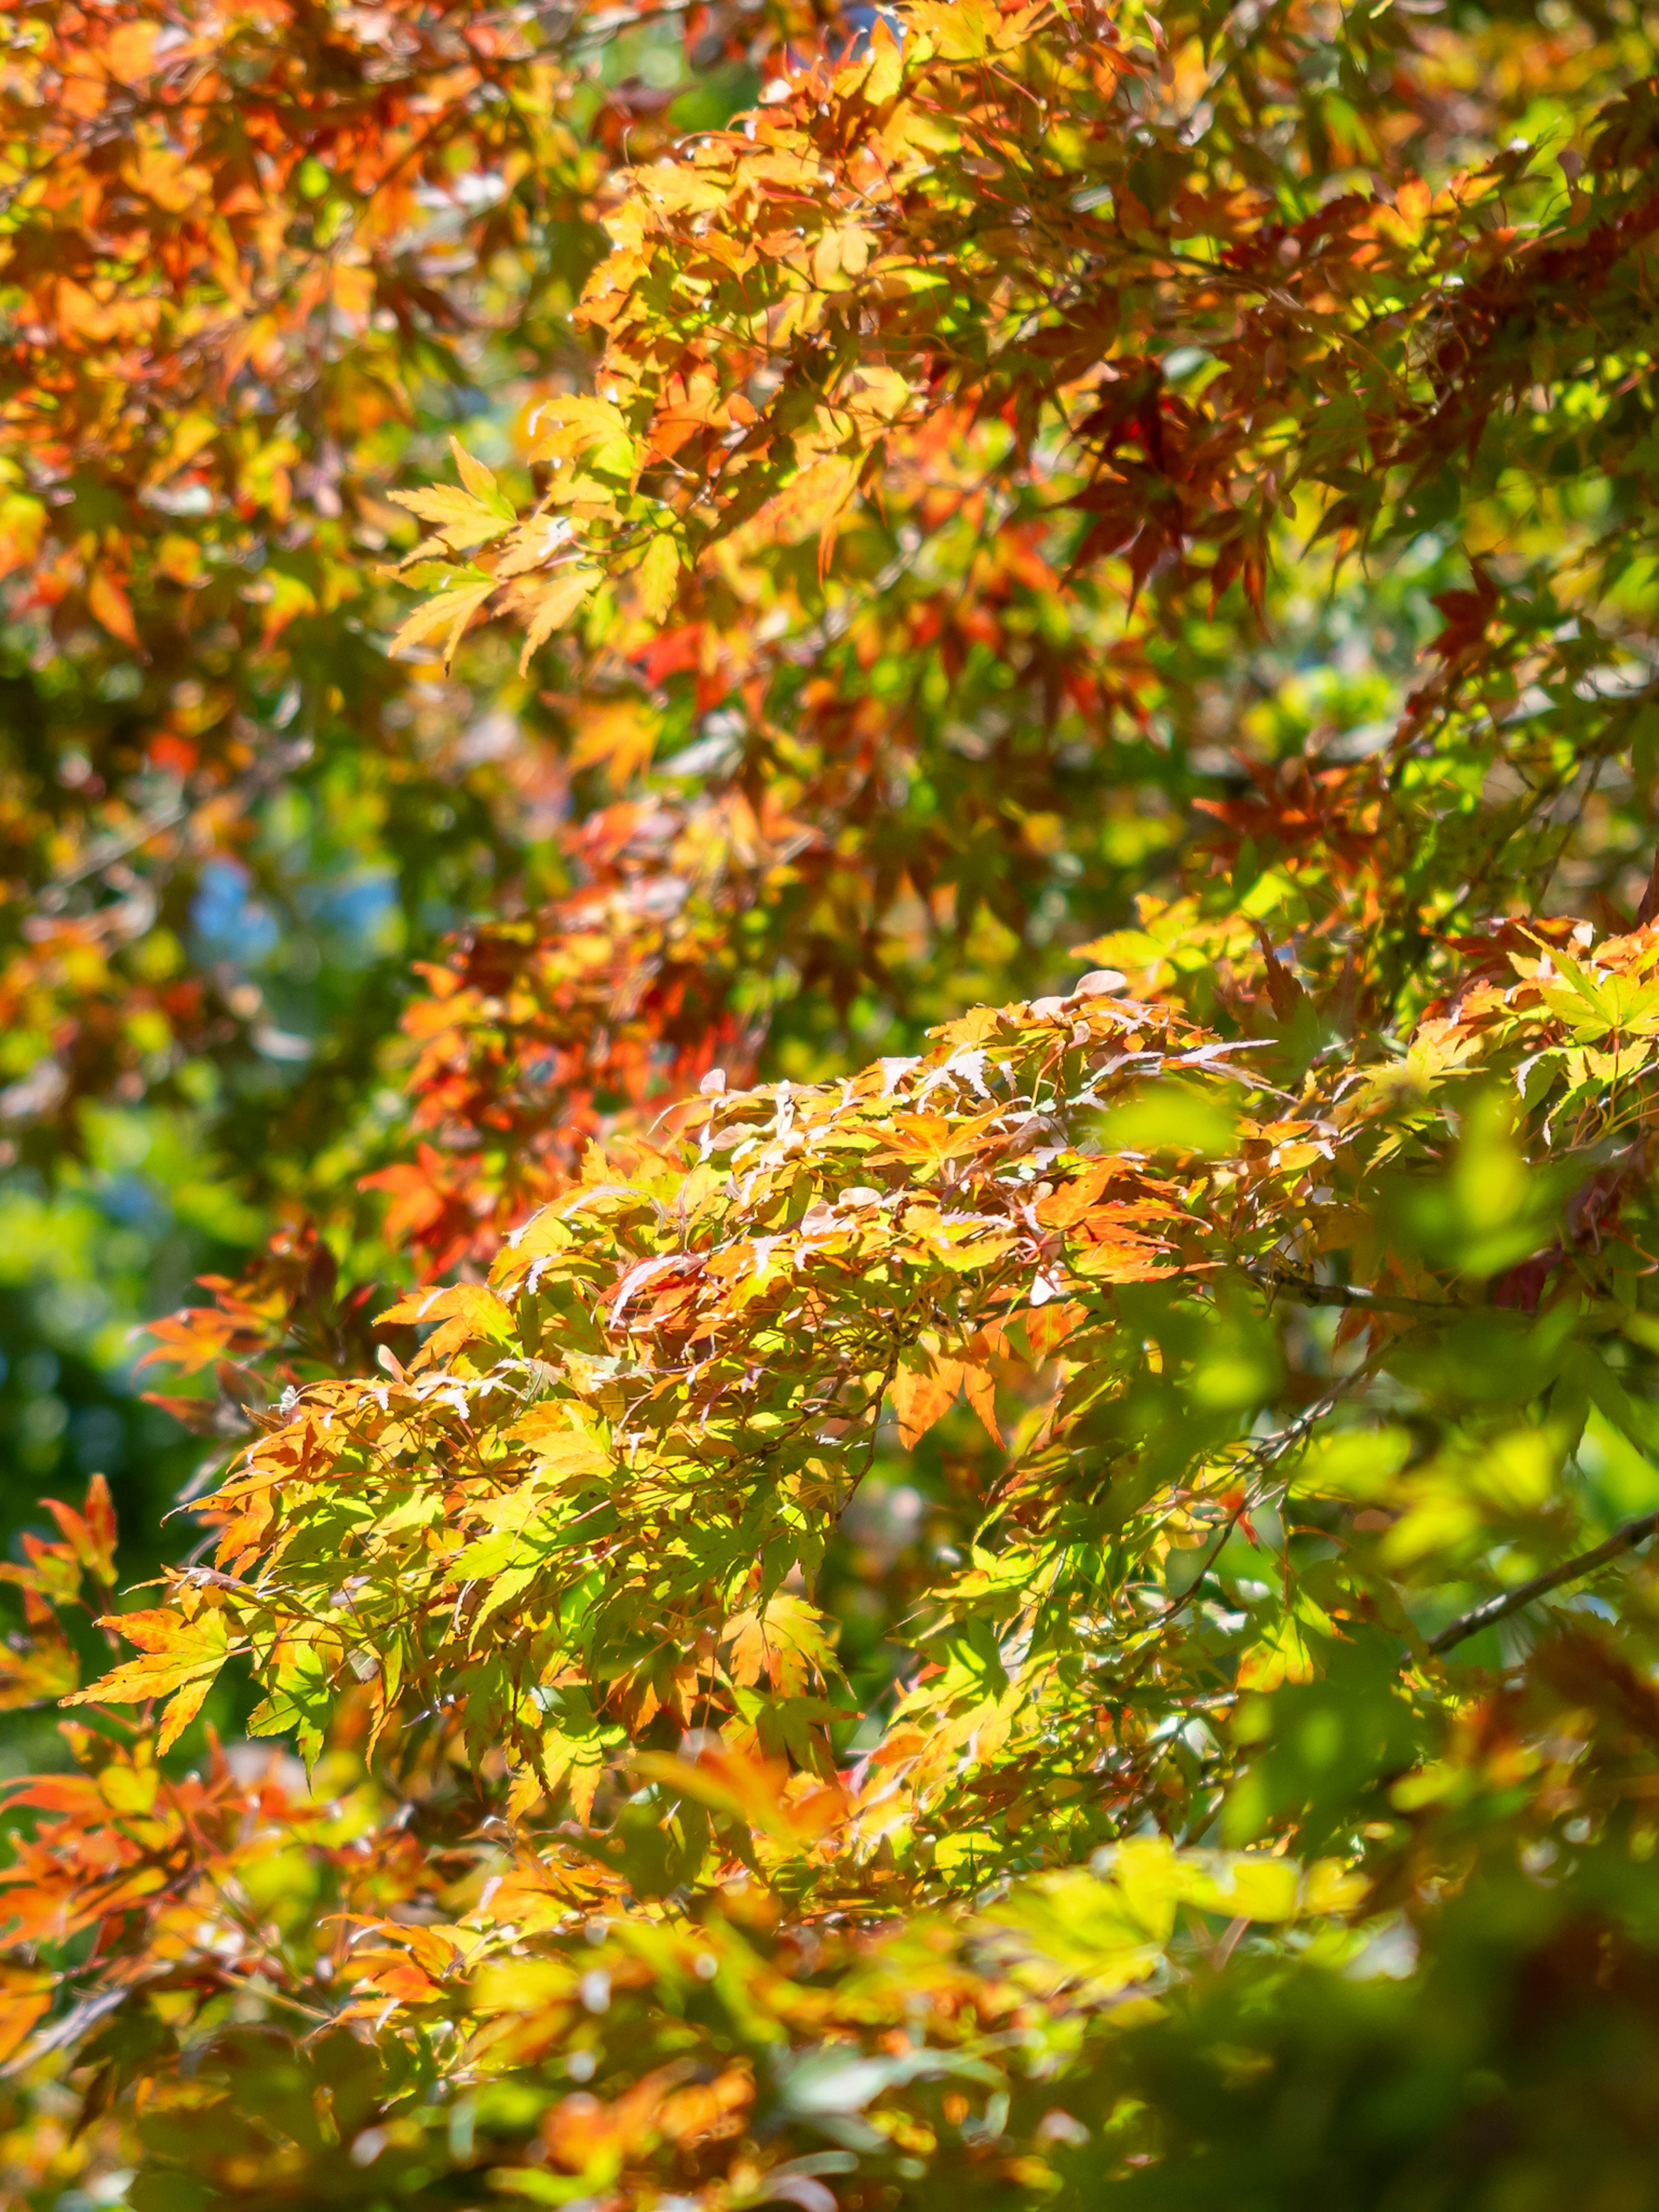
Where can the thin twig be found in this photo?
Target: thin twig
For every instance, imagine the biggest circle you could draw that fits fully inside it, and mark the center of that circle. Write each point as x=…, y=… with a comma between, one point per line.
x=1499, y=1608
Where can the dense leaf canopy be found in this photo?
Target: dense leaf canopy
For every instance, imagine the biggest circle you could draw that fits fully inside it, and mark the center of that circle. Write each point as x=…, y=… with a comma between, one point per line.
x=853, y=810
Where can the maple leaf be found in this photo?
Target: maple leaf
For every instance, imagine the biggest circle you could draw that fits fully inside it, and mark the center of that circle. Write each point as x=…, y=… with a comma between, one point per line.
x=183, y=1657
x=923, y=1390
x=110, y=605
x=462, y=1315
x=445, y=617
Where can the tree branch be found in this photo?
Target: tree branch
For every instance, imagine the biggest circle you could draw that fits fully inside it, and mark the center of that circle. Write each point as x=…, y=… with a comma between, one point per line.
x=1499, y=1608
x=1307, y=1292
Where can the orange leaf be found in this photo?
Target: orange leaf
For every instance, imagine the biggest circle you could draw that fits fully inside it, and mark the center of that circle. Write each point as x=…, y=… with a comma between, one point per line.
x=982, y=1395
x=113, y=608
x=922, y=1396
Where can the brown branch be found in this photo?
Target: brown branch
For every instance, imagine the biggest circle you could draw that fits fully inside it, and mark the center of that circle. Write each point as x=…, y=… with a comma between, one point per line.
x=1499, y=1608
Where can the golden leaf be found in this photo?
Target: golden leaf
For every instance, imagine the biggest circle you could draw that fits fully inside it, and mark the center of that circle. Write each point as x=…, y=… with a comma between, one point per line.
x=445, y=616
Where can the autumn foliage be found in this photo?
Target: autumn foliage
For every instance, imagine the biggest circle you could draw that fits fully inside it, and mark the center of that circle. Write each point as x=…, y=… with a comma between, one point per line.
x=933, y=1478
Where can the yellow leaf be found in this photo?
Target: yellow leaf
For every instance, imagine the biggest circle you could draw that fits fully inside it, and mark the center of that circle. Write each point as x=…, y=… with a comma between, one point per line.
x=461, y=520
x=550, y=604
x=1330, y=1887
x=559, y=1443
x=540, y=1238
x=180, y=558
x=886, y=62
x=573, y=423
x=813, y=502
x=23, y=526
x=1249, y=1887
x=1282, y=1655
x=526, y=1790
x=177, y=1654
x=354, y=292
x=181, y=1710
x=656, y=577
x=958, y=32
x=445, y=616
x=785, y=1641
x=478, y=480
x=464, y=1312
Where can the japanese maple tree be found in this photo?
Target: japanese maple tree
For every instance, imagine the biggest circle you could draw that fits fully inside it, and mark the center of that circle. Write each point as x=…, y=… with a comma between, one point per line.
x=991, y=1543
